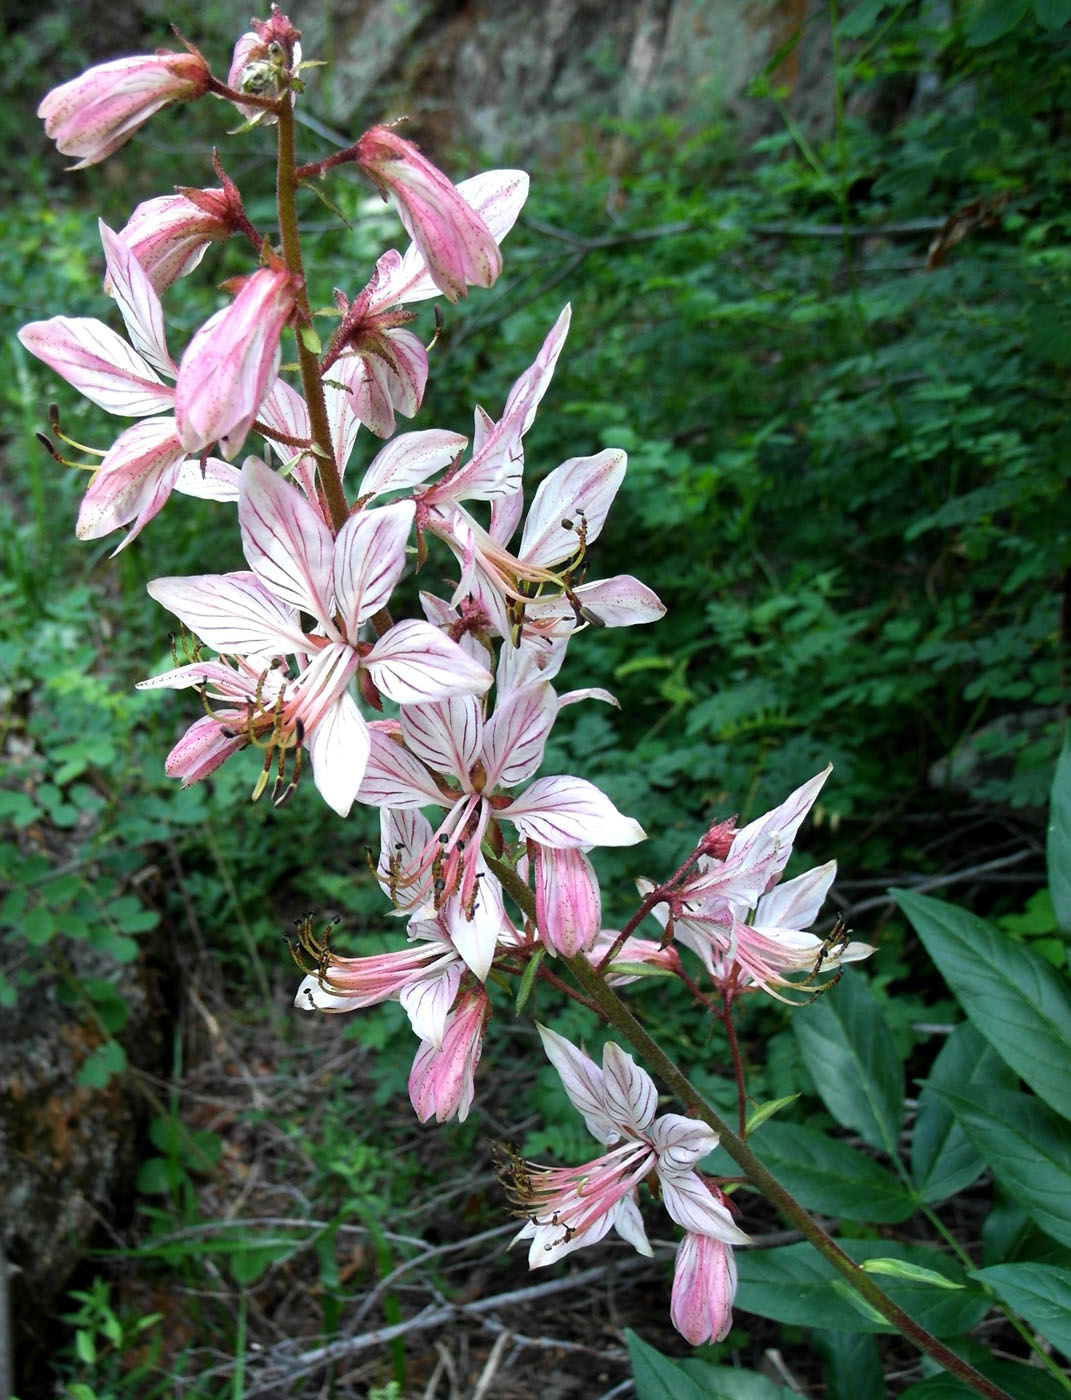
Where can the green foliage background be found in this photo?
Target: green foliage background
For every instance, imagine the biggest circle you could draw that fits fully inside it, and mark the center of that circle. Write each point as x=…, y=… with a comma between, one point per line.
x=848, y=480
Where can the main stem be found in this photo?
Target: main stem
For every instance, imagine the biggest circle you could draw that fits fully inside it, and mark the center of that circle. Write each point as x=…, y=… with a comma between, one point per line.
x=286, y=185
x=618, y=1014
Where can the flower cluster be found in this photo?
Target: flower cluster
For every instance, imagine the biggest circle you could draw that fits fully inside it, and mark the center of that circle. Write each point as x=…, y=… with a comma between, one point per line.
x=437, y=722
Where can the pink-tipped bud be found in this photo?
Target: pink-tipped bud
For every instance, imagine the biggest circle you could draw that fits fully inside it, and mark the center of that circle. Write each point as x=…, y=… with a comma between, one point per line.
x=169, y=235
x=567, y=900
x=96, y=113
x=442, y=1080
x=704, y=1286
x=457, y=246
x=718, y=839
x=231, y=363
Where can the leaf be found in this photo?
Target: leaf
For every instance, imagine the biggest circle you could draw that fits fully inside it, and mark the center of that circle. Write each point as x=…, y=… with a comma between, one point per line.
x=656, y=1377
x=794, y=1284
x=766, y=1110
x=899, y=1268
x=995, y=19
x=943, y=1158
x=1058, y=840
x=728, y=1383
x=1018, y=1002
x=1028, y=1149
x=1023, y=1382
x=853, y=1366
x=1052, y=14
x=861, y=20
x=831, y=1177
x=851, y=1057
x=1040, y=1293
x=106, y=1060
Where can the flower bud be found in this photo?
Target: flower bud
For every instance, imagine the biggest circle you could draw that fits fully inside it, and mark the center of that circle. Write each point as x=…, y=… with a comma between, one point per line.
x=567, y=900
x=231, y=362
x=441, y=1082
x=457, y=246
x=96, y=113
x=169, y=235
x=704, y=1286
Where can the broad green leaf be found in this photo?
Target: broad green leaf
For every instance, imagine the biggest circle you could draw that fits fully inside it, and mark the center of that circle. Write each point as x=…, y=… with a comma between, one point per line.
x=249, y=1262
x=795, y=1284
x=853, y=1366
x=1028, y=1149
x=106, y=1060
x=1058, y=841
x=850, y=1055
x=943, y=1159
x=728, y=1383
x=1022, y=1382
x=1019, y=1003
x=831, y=1177
x=995, y=19
x=1052, y=14
x=656, y=1377
x=1040, y=1293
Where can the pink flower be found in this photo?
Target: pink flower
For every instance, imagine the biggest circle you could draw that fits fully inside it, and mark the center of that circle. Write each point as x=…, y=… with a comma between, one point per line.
x=473, y=759
x=231, y=363
x=255, y=617
x=746, y=931
x=169, y=235
x=567, y=900
x=704, y=1286
x=441, y=1082
x=147, y=461
x=387, y=364
x=570, y=1207
x=457, y=246
x=94, y=114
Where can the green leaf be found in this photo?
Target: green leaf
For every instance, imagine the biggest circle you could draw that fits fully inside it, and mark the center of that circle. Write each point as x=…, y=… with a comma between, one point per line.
x=728, y=1383
x=850, y=1055
x=995, y=19
x=853, y=1366
x=1028, y=1149
x=900, y=1268
x=524, y=991
x=765, y=1111
x=85, y=1346
x=1040, y=1293
x=1058, y=840
x=1052, y=14
x=1023, y=1382
x=943, y=1159
x=656, y=1377
x=106, y=1060
x=1017, y=1001
x=155, y=1176
x=861, y=20
x=794, y=1284
x=250, y=1261
x=831, y=1177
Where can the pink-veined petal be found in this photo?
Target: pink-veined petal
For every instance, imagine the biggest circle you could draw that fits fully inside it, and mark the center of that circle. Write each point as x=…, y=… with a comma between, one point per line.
x=409, y=459
x=445, y=735
x=516, y=735
x=230, y=613
x=137, y=300
x=681, y=1142
x=628, y=1092
x=568, y=901
x=580, y=490
x=795, y=904
x=210, y=480
x=582, y=1080
x=394, y=778
x=567, y=811
x=338, y=747
x=414, y=663
x=693, y=1206
x=100, y=364
x=369, y=559
x=133, y=481
x=287, y=544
